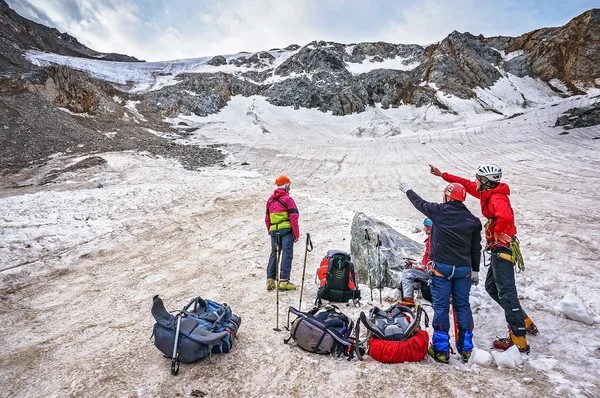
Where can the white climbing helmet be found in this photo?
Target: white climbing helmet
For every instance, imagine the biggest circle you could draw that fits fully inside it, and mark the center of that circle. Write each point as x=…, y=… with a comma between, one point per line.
x=491, y=171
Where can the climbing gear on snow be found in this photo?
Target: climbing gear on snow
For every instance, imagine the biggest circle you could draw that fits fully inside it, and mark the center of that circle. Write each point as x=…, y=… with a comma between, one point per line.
x=516, y=257
x=516, y=254
x=465, y=356
x=442, y=357
x=337, y=279
x=190, y=335
x=503, y=344
x=306, y=250
x=378, y=245
x=270, y=284
x=530, y=327
x=326, y=330
x=395, y=335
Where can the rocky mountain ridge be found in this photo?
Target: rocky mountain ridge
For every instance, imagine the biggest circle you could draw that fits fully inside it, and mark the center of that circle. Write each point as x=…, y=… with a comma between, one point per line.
x=339, y=78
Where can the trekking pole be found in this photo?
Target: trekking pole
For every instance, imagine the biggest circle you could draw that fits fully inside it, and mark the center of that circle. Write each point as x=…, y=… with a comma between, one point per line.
x=277, y=256
x=379, y=265
x=175, y=357
x=367, y=239
x=308, y=243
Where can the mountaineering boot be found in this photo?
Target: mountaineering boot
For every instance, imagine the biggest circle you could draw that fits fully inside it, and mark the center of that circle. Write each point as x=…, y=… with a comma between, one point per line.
x=407, y=302
x=438, y=356
x=465, y=356
x=271, y=284
x=286, y=285
x=507, y=342
x=530, y=327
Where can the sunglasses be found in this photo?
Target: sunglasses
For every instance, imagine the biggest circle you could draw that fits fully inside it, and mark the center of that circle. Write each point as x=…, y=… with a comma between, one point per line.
x=483, y=180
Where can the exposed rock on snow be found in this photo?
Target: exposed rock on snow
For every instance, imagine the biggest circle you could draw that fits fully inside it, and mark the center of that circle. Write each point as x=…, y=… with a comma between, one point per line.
x=573, y=308
x=217, y=60
x=395, y=249
x=580, y=117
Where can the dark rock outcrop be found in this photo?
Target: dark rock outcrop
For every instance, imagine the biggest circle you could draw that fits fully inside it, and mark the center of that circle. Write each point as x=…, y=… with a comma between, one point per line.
x=217, y=61
x=459, y=63
x=580, y=117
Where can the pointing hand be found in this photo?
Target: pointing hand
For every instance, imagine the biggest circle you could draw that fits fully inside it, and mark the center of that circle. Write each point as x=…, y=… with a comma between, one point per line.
x=435, y=171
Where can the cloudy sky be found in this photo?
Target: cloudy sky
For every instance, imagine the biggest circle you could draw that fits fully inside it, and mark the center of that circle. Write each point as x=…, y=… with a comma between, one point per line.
x=172, y=29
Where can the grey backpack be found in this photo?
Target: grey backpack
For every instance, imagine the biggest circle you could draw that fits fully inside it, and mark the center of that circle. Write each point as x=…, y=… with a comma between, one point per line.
x=325, y=330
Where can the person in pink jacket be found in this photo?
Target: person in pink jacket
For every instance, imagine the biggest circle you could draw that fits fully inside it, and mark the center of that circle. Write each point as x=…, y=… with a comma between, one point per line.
x=282, y=224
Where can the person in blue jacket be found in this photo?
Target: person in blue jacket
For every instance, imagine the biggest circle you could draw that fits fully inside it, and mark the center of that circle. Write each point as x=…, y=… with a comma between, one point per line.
x=455, y=250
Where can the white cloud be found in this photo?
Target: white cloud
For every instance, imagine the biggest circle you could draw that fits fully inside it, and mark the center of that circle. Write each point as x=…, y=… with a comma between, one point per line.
x=186, y=29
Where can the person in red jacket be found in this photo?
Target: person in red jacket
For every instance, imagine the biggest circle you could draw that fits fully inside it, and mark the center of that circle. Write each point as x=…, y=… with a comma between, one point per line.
x=413, y=272
x=282, y=224
x=500, y=231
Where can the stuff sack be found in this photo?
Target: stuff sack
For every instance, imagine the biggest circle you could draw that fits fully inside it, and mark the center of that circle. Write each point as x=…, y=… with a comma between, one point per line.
x=325, y=331
x=395, y=335
x=208, y=328
x=337, y=279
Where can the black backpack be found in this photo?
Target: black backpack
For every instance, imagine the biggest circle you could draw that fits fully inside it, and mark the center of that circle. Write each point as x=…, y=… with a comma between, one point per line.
x=337, y=279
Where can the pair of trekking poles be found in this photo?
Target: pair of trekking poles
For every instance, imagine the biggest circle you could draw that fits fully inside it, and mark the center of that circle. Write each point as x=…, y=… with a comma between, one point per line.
x=378, y=246
x=277, y=258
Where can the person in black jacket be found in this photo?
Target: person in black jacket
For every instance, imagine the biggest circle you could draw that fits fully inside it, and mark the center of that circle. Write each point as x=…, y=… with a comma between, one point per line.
x=455, y=250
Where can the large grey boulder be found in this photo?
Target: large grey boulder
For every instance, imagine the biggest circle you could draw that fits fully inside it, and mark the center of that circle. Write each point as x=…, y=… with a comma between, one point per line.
x=395, y=249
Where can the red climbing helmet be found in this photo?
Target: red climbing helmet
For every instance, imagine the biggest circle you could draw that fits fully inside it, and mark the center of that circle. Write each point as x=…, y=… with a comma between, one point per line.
x=456, y=191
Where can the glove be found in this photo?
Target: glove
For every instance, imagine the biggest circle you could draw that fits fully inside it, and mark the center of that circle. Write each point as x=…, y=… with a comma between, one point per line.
x=404, y=187
x=474, y=278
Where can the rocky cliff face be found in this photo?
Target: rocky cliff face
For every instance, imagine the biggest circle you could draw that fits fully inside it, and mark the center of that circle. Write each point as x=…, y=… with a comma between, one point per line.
x=570, y=53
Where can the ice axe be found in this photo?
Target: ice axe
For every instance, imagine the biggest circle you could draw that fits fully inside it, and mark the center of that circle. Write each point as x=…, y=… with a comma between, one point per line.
x=308, y=243
x=378, y=245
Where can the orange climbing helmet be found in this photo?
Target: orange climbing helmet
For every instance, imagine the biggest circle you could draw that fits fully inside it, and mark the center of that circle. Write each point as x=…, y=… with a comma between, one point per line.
x=282, y=180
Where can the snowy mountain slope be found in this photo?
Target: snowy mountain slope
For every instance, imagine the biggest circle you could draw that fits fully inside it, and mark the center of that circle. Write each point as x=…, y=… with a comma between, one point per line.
x=156, y=228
